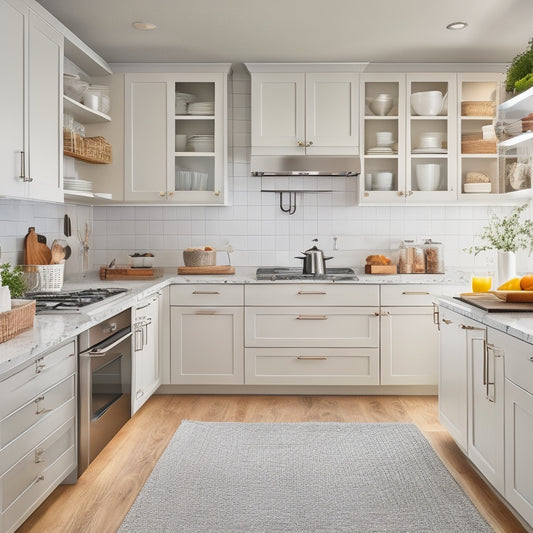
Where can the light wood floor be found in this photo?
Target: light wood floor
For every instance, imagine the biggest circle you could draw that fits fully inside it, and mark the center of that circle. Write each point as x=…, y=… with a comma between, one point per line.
x=102, y=496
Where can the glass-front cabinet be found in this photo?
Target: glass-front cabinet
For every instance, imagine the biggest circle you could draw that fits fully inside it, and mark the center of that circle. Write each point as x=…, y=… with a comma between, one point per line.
x=176, y=140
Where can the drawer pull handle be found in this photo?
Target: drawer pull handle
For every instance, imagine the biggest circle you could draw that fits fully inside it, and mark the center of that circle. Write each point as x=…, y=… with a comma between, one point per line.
x=39, y=365
x=311, y=317
x=531, y=359
x=39, y=456
x=415, y=293
x=446, y=321
x=206, y=292
x=112, y=327
x=312, y=292
x=466, y=326
x=37, y=479
x=139, y=394
x=39, y=411
x=383, y=313
x=205, y=312
x=311, y=357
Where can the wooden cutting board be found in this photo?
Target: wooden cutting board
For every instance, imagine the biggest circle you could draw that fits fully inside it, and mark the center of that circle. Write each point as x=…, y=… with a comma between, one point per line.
x=35, y=252
x=491, y=303
x=215, y=269
x=129, y=273
x=514, y=296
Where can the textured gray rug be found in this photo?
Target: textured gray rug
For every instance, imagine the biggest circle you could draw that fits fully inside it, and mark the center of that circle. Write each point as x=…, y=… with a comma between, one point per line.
x=228, y=477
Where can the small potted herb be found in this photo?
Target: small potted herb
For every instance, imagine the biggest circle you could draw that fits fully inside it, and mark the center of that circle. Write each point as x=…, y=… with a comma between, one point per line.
x=520, y=71
x=13, y=277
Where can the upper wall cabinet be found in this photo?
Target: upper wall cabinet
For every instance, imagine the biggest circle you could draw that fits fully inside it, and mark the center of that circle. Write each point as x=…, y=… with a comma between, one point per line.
x=176, y=136
x=305, y=109
x=30, y=132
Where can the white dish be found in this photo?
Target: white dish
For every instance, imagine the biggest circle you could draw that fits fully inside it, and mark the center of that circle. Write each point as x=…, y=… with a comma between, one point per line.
x=106, y=195
x=429, y=151
x=185, y=97
x=477, y=187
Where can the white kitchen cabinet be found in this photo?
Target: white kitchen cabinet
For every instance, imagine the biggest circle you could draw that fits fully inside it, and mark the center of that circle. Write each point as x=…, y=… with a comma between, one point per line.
x=174, y=152
x=146, y=374
x=207, y=338
x=305, y=108
x=31, y=108
x=38, y=430
x=517, y=356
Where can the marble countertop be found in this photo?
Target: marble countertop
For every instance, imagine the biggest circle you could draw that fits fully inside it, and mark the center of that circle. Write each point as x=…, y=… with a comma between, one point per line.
x=519, y=325
x=51, y=330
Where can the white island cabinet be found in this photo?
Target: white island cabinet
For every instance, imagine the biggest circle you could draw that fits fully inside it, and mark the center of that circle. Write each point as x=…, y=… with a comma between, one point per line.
x=307, y=108
x=206, y=338
x=37, y=433
x=31, y=104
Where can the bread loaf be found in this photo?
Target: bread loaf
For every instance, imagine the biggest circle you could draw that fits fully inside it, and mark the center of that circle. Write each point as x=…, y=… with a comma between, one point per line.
x=377, y=260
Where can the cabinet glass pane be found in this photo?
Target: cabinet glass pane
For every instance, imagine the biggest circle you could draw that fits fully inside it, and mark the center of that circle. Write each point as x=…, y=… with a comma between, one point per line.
x=377, y=174
x=375, y=106
x=195, y=98
x=423, y=86
x=195, y=173
x=429, y=174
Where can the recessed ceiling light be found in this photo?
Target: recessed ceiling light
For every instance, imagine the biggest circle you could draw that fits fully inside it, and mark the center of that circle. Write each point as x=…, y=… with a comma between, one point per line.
x=457, y=25
x=144, y=26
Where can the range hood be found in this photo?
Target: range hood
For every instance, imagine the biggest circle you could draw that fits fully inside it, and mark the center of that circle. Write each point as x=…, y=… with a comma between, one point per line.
x=317, y=165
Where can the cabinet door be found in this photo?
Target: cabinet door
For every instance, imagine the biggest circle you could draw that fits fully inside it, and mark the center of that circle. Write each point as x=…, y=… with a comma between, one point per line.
x=453, y=377
x=485, y=405
x=146, y=352
x=45, y=109
x=332, y=113
x=12, y=63
x=207, y=345
x=518, y=439
x=409, y=346
x=278, y=113
x=146, y=149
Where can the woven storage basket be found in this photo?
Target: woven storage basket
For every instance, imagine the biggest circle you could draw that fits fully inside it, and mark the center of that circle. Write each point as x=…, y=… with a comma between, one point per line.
x=19, y=319
x=51, y=277
x=72, y=143
x=97, y=150
x=473, y=143
x=477, y=109
x=194, y=258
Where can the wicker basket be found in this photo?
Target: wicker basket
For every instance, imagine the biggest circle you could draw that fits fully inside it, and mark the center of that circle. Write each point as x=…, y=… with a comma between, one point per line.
x=477, y=109
x=97, y=150
x=19, y=319
x=194, y=258
x=72, y=143
x=473, y=143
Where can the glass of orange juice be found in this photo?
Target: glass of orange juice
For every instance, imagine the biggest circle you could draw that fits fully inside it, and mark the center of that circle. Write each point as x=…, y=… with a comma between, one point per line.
x=481, y=281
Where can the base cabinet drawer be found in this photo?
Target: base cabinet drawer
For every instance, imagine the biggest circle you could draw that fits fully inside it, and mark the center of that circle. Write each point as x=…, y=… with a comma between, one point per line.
x=27, y=483
x=312, y=366
x=327, y=327
x=206, y=294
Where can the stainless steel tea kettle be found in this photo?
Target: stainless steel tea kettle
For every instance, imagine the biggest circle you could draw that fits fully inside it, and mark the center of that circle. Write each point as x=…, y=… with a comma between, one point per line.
x=314, y=260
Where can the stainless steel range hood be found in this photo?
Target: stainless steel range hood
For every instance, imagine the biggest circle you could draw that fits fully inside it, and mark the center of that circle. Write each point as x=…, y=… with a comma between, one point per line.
x=299, y=165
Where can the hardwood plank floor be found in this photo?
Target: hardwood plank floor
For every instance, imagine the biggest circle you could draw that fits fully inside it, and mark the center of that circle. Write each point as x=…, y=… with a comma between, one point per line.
x=100, y=499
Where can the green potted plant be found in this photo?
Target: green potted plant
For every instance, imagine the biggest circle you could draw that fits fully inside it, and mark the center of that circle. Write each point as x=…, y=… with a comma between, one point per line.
x=507, y=235
x=520, y=71
x=13, y=277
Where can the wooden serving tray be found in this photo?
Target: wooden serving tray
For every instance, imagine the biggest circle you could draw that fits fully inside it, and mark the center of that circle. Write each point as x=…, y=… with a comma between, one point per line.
x=514, y=296
x=381, y=269
x=491, y=303
x=214, y=269
x=124, y=272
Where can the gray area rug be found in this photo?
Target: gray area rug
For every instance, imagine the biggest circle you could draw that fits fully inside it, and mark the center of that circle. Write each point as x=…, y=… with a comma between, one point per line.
x=229, y=477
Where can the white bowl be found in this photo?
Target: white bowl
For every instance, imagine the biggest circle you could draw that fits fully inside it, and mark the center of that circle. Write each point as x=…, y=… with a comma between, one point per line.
x=381, y=105
x=428, y=176
x=427, y=103
x=73, y=87
x=382, y=180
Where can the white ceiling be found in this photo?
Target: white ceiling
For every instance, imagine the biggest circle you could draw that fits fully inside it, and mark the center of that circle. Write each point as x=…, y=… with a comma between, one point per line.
x=300, y=30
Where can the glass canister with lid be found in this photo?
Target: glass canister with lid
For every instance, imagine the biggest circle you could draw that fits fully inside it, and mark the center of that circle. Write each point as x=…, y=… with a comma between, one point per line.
x=434, y=256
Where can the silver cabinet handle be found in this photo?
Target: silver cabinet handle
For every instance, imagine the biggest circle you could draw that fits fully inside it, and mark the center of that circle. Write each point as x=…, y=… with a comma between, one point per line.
x=490, y=348
x=531, y=359
x=310, y=143
x=39, y=456
x=416, y=293
x=112, y=327
x=39, y=365
x=436, y=315
x=23, y=176
x=102, y=353
x=311, y=292
x=206, y=292
x=39, y=411
x=311, y=357
x=139, y=394
x=447, y=321
x=205, y=312
x=382, y=313
x=311, y=317
x=143, y=306
x=466, y=326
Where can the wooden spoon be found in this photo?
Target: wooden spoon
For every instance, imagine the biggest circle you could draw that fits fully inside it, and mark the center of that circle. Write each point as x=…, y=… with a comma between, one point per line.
x=58, y=252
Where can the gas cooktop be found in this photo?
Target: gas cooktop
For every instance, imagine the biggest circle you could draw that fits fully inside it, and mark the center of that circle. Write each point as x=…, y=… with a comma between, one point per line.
x=72, y=301
x=295, y=273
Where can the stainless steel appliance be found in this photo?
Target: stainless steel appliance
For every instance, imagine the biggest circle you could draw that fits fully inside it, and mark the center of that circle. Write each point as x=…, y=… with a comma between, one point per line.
x=314, y=260
x=78, y=301
x=104, y=384
x=294, y=273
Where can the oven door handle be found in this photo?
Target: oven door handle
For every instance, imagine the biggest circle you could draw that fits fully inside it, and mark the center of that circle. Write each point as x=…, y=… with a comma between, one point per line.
x=102, y=353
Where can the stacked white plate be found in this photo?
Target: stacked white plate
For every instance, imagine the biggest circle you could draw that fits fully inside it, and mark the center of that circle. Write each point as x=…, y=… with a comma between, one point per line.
x=201, y=108
x=191, y=180
x=201, y=143
x=182, y=101
x=74, y=184
x=383, y=150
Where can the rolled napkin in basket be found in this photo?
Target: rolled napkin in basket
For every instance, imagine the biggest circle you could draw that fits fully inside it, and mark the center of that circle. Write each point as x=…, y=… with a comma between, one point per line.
x=5, y=299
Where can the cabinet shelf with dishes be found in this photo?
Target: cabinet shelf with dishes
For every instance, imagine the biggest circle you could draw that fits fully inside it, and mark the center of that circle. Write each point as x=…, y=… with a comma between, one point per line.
x=82, y=113
x=476, y=143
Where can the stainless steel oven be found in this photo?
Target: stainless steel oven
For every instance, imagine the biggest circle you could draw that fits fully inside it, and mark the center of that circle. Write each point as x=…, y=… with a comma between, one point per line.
x=105, y=384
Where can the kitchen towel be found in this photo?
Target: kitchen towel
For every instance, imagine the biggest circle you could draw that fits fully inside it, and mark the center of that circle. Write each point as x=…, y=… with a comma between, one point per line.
x=308, y=477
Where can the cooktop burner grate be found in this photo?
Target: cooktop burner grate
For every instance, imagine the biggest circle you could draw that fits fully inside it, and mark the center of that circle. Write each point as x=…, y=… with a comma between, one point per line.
x=72, y=301
x=295, y=273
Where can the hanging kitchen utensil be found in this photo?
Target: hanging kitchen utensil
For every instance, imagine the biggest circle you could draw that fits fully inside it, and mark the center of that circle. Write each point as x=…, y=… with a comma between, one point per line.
x=58, y=251
x=67, y=226
x=68, y=251
x=35, y=252
x=291, y=209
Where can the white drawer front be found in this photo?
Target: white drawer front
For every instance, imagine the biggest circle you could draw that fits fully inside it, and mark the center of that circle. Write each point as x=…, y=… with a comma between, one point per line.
x=27, y=384
x=312, y=327
x=206, y=294
x=32, y=471
x=410, y=294
x=36, y=410
x=311, y=294
x=312, y=366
